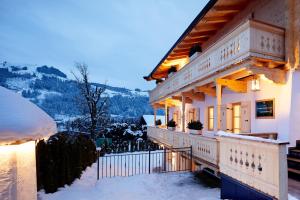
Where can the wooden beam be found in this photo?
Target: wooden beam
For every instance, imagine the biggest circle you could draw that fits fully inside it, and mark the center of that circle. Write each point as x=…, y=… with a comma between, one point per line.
x=236, y=86
x=275, y=75
x=178, y=54
x=179, y=98
x=185, y=46
x=208, y=27
x=202, y=33
x=199, y=96
x=239, y=75
x=158, y=105
x=176, y=57
x=194, y=41
x=217, y=19
x=181, y=50
x=228, y=9
x=206, y=90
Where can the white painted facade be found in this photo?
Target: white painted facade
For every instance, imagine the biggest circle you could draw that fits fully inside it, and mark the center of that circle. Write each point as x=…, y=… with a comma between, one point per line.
x=287, y=108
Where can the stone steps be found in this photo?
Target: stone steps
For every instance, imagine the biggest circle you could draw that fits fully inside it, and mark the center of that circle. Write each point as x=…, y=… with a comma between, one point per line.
x=293, y=161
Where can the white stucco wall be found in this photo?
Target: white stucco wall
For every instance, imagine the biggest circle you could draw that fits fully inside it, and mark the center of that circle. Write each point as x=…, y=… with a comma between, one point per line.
x=287, y=107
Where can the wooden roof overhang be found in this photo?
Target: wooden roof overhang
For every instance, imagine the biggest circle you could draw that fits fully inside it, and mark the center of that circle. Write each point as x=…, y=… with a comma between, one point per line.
x=212, y=18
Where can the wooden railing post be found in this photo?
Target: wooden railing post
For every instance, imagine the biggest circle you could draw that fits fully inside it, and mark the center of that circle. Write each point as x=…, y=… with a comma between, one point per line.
x=191, y=157
x=98, y=155
x=149, y=161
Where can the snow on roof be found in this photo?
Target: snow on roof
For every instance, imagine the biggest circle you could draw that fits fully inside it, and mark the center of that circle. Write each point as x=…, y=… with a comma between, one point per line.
x=149, y=119
x=22, y=120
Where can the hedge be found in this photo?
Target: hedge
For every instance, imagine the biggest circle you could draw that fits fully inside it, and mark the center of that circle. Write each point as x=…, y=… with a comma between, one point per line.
x=62, y=159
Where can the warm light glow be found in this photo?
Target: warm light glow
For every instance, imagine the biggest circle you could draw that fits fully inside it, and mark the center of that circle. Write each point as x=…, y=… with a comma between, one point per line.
x=22, y=148
x=210, y=118
x=255, y=84
x=174, y=160
x=18, y=168
x=178, y=62
x=264, y=78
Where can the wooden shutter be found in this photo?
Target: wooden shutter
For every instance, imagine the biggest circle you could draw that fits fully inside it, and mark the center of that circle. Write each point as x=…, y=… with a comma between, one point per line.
x=226, y=118
x=197, y=114
x=223, y=118
x=246, y=117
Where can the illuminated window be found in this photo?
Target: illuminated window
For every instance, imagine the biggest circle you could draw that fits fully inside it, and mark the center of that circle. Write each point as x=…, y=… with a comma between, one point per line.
x=236, y=117
x=211, y=118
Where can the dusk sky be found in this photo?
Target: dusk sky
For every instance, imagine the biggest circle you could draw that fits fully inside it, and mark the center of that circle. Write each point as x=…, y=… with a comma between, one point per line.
x=120, y=40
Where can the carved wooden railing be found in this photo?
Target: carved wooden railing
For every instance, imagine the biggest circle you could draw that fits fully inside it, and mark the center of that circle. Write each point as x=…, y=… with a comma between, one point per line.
x=258, y=163
x=251, y=38
x=204, y=148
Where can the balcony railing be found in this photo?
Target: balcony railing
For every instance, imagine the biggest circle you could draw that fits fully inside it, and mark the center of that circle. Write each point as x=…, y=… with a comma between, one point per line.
x=257, y=162
x=251, y=38
x=203, y=147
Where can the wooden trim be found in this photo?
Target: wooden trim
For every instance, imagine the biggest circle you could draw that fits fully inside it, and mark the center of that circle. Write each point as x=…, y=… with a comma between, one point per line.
x=271, y=117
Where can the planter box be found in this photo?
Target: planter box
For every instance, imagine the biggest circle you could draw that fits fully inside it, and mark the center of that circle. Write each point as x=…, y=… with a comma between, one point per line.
x=171, y=128
x=195, y=132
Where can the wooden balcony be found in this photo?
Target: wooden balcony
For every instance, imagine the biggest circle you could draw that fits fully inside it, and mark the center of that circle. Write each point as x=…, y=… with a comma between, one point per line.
x=251, y=40
x=256, y=162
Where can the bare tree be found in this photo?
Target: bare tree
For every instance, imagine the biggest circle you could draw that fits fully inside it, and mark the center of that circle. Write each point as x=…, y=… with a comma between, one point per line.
x=92, y=99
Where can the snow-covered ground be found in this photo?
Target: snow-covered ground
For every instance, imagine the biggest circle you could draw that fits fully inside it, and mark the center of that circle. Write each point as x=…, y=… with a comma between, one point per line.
x=168, y=186
x=155, y=186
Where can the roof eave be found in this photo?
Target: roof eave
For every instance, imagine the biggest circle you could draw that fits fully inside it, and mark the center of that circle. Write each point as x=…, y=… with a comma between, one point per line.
x=202, y=13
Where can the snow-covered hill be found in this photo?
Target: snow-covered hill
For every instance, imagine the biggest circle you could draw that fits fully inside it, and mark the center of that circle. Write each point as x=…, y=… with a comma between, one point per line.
x=54, y=92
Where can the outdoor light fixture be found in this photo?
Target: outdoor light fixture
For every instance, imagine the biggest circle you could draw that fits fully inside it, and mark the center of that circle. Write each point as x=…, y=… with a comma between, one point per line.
x=255, y=84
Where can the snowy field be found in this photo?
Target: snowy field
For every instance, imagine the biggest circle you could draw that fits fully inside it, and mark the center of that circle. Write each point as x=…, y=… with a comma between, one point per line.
x=168, y=186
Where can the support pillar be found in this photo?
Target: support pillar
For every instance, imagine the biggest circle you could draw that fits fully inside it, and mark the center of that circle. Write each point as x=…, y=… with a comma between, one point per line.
x=183, y=114
x=166, y=114
x=217, y=122
x=154, y=111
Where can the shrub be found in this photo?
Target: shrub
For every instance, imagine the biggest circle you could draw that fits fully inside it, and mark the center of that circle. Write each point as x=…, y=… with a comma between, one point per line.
x=195, y=125
x=158, y=122
x=61, y=160
x=172, y=69
x=171, y=123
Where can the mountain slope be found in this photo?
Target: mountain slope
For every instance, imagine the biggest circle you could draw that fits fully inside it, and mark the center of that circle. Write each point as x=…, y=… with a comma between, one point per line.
x=54, y=92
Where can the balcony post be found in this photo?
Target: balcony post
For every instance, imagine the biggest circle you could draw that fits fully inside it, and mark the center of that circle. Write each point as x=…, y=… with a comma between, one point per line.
x=154, y=111
x=183, y=114
x=166, y=114
x=217, y=122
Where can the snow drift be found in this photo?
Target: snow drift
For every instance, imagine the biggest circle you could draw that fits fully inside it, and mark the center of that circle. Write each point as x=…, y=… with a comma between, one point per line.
x=22, y=120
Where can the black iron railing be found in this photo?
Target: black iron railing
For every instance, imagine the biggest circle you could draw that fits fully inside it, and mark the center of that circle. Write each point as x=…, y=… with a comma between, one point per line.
x=145, y=162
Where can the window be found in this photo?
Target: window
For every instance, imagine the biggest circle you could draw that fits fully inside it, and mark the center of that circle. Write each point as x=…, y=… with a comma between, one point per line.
x=236, y=117
x=211, y=118
x=192, y=115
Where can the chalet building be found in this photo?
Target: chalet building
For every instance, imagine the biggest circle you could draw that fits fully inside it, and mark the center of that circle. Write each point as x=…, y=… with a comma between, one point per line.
x=236, y=70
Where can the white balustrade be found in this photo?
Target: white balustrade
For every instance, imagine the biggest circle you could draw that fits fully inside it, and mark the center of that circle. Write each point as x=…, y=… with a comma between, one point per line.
x=204, y=148
x=251, y=38
x=258, y=163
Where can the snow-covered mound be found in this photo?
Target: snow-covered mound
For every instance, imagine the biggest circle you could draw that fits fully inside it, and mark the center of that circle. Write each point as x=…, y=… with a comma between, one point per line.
x=22, y=120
